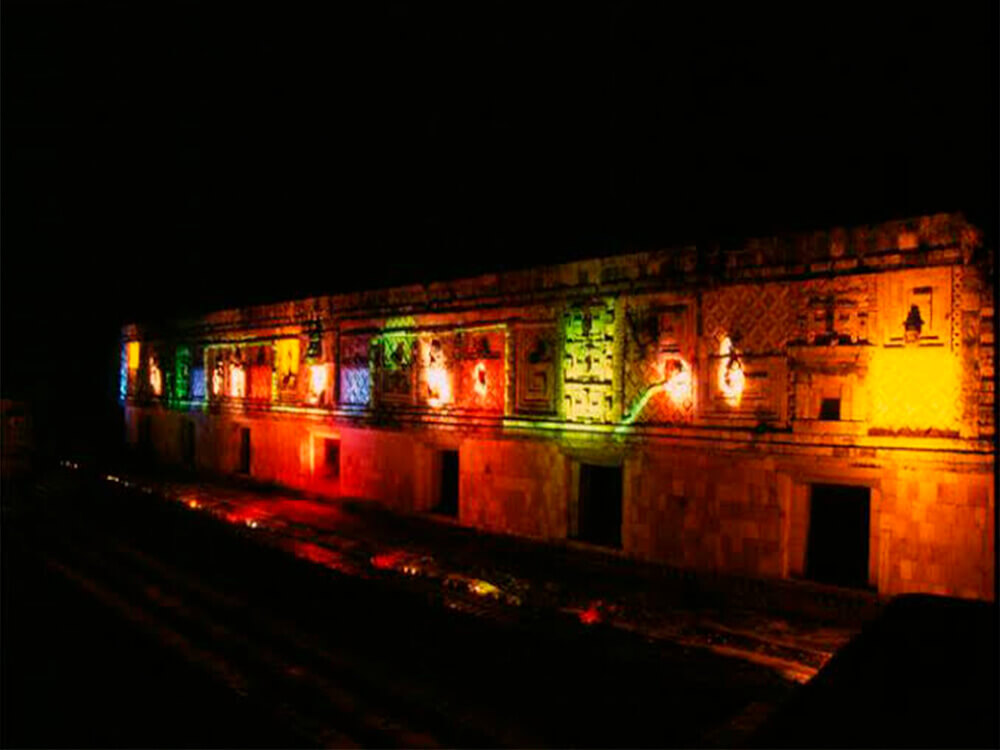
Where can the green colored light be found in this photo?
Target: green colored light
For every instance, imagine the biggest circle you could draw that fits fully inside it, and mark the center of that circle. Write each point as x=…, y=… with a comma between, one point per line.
x=182, y=374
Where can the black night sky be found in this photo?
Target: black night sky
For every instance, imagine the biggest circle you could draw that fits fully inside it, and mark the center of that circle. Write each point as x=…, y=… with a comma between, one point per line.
x=163, y=159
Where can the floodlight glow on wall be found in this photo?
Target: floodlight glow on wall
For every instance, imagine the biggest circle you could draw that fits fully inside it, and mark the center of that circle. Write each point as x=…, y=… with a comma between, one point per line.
x=155, y=378
x=237, y=381
x=678, y=381
x=731, y=378
x=133, y=355
x=317, y=382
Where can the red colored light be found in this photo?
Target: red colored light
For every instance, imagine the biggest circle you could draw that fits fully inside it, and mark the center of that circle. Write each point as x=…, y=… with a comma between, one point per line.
x=326, y=557
x=591, y=615
x=479, y=379
x=388, y=560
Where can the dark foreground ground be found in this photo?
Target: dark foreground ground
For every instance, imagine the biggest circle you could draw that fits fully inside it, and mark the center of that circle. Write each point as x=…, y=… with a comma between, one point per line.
x=923, y=675
x=129, y=620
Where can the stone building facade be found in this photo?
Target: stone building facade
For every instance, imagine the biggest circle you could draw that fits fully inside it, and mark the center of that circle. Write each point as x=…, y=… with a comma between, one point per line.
x=815, y=406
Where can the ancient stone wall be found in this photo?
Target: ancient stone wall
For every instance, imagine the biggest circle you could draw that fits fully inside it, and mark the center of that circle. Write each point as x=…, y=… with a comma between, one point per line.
x=728, y=383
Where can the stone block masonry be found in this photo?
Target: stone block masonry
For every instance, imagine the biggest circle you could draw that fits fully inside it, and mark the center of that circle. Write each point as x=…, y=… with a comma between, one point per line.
x=816, y=406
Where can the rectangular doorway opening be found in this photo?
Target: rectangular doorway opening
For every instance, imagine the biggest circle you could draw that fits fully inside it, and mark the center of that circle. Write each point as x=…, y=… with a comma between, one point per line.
x=187, y=443
x=829, y=410
x=244, y=467
x=331, y=458
x=600, y=505
x=837, y=545
x=448, y=486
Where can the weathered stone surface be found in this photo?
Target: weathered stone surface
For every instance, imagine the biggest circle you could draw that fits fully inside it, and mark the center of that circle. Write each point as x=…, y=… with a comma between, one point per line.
x=726, y=382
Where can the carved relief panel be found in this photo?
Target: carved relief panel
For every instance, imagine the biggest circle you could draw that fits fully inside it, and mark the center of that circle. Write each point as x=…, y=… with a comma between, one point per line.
x=355, y=371
x=397, y=368
x=287, y=361
x=917, y=307
x=589, y=361
x=437, y=362
x=261, y=373
x=746, y=332
x=537, y=350
x=480, y=370
x=659, y=361
x=914, y=382
x=762, y=317
x=841, y=310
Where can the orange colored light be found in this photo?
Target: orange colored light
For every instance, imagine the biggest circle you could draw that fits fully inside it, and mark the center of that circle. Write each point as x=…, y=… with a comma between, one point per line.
x=731, y=377
x=155, y=378
x=679, y=383
x=483, y=588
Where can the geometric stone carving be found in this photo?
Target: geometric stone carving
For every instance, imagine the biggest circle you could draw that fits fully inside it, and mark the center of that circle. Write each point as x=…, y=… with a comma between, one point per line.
x=588, y=361
x=537, y=348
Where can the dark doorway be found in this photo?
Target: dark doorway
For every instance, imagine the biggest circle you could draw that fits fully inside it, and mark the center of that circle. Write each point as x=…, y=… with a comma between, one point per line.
x=448, y=498
x=829, y=410
x=837, y=547
x=331, y=458
x=187, y=443
x=244, y=450
x=600, y=505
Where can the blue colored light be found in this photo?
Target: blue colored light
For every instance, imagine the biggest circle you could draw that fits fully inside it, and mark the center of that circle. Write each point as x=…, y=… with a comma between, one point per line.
x=198, y=384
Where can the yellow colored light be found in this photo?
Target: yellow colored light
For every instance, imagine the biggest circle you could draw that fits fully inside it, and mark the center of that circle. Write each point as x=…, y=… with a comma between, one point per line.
x=483, y=588
x=132, y=349
x=915, y=388
x=287, y=357
x=237, y=381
